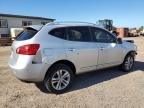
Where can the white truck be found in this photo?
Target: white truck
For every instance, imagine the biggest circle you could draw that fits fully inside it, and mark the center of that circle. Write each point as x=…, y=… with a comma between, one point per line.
x=15, y=31
x=142, y=32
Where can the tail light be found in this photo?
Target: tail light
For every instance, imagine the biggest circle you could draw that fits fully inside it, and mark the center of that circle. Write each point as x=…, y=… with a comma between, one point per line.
x=29, y=49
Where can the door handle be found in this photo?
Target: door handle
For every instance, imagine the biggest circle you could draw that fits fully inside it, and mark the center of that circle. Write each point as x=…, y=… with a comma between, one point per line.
x=71, y=49
x=102, y=48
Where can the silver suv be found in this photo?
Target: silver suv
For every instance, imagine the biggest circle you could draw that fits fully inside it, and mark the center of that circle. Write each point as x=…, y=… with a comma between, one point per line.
x=56, y=52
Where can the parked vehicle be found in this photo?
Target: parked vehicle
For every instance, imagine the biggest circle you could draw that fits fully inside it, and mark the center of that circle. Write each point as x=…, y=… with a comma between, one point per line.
x=56, y=52
x=134, y=33
x=142, y=33
x=15, y=31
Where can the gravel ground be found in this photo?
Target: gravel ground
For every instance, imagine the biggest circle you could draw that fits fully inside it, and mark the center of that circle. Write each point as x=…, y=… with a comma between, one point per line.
x=108, y=88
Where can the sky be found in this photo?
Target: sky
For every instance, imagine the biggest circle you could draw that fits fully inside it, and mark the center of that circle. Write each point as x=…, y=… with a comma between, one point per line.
x=124, y=13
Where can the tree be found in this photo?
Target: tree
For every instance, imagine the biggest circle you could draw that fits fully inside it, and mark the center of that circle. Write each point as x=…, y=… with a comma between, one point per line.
x=141, y=28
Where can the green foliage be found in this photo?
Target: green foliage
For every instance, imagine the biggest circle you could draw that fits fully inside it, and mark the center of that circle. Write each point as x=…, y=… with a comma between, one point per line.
x=141, y=28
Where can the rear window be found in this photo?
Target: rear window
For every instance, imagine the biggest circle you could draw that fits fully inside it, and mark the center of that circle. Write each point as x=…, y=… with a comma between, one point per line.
x=26, y=34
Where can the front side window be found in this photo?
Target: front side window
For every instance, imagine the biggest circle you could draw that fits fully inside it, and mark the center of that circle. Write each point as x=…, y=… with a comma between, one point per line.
x=26, y=23
x=59, y=33
x=102, y=36
x=3, y=23
x=81, y=34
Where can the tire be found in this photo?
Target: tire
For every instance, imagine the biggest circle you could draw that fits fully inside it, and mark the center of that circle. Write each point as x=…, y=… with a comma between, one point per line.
x=128, y=63
x=59, y=79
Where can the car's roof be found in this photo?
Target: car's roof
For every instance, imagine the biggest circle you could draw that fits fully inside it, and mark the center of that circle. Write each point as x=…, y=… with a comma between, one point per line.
x=63, y=24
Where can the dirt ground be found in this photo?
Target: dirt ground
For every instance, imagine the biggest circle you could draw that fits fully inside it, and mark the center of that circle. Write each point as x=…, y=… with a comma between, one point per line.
x=110, y=88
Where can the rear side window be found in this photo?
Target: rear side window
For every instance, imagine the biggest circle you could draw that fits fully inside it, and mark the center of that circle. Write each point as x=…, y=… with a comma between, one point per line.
x=81, y=34
x=59, y=33
x=26, y=34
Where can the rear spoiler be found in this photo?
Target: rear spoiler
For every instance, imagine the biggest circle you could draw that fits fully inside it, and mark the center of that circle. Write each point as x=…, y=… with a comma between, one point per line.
x=35, y=27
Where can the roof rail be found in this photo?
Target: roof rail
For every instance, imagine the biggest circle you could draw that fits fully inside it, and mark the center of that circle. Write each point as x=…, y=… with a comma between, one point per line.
x=70, y=22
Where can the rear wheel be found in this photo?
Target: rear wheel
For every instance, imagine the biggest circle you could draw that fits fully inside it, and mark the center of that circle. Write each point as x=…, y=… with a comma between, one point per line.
x=128, y=63
x=59, y=78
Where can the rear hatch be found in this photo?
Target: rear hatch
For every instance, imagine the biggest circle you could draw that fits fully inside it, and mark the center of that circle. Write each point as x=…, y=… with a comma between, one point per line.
x=22, y=42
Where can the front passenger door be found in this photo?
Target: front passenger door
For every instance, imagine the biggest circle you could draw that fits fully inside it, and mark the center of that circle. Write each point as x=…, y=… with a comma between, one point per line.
x=110, y=53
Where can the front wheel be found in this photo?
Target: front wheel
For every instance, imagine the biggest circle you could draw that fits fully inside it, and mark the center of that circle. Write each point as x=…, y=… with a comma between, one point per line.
x=128, y=63
x=59, y=78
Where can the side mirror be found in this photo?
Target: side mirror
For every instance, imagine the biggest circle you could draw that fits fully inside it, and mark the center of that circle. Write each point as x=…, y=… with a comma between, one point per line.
x=119, y=40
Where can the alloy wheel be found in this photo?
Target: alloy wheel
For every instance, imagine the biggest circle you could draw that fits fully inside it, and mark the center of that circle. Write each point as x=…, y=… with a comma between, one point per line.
x=60, y=79
x=129, y=63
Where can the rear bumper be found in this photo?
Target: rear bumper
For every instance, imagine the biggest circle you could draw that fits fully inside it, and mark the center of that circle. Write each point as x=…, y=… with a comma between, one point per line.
x=30, y=72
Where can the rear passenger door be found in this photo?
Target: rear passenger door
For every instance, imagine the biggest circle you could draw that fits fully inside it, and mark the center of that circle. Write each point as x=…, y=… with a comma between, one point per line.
x=80, y=49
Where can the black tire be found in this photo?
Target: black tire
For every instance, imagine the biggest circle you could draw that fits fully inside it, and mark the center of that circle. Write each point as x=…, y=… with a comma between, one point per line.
x=53, y=72
x=125, y=64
